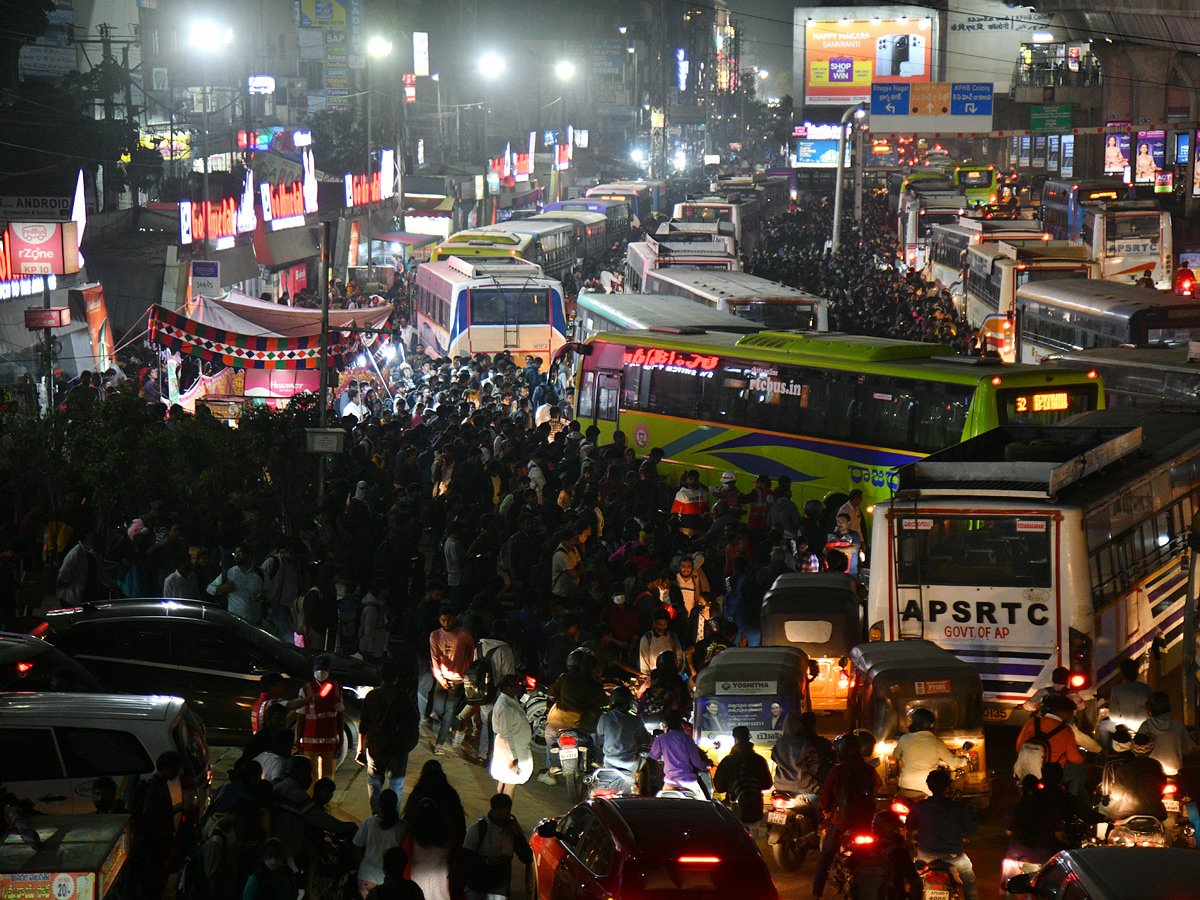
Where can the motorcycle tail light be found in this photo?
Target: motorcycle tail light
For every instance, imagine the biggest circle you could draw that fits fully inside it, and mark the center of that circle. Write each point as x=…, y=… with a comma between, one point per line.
x=567, y=740
x=605, y=793
x=900, y=808
x=779, y=802
x=1170, y=789
x=862, y=840
x=530, y=682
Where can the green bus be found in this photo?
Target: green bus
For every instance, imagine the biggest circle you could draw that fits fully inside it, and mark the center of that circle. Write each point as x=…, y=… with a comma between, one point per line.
x=832, y=411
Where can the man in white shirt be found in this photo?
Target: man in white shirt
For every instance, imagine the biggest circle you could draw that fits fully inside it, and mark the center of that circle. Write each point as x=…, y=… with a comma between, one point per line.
x=1126, y=703
x=853, y=509
x=920, y=752
x=352, y=408
x=181, y=583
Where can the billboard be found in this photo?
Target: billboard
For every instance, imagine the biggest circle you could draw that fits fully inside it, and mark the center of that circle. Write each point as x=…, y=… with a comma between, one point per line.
x=842, y=57
x=1116, y=154
x=983, y=37
x=43, y=248
x=819, y=154
x=1151, y=156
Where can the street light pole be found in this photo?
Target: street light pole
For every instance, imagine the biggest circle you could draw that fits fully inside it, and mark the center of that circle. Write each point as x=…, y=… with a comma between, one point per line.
x=836, y=238
x=207, y=37
x=491, y=67
x=377, y=47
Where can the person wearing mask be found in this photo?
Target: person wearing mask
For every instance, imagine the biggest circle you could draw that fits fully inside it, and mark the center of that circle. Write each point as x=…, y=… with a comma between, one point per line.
x=390, y=728
x=489, y=848
x=683, y=763
x=796, y=761
x=658, y=640
x=320, y=722
x=1126, y=703
x=451, y=651
x=920, y=752
x=620, y=734
x=272, y=879
x=579, y=699
x=742, y=776
x=1171, y=740
x=940, y=823
x=375, y=836
x=512, y=757
x=847, y=801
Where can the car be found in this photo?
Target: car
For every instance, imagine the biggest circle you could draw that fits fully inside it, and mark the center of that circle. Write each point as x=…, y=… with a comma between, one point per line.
x=28, y=663
x=210, y=657
x=642, y=847
x=57, y=744
x=1114, y=873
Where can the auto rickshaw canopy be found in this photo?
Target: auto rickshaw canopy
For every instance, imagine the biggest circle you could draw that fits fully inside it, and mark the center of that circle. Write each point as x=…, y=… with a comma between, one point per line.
x=818, y=612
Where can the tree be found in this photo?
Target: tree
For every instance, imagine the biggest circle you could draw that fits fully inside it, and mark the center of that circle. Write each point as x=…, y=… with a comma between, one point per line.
x=339, y=141
x=24, y=22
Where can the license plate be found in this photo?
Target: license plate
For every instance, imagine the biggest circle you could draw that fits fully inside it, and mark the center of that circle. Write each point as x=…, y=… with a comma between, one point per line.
x=937, y=895
x=568, y=753
x=1172, y=806
x=776, y=818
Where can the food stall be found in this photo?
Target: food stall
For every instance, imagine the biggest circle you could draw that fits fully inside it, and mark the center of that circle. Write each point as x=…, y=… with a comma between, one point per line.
x=79, y=858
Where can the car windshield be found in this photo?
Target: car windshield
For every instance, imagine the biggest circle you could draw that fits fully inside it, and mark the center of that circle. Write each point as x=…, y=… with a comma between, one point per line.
x=40, y=667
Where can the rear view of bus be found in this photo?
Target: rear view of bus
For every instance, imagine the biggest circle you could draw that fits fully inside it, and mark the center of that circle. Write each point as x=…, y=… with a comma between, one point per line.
x=1028, y=549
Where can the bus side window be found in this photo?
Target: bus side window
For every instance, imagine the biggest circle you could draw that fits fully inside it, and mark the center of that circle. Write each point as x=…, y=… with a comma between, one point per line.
x=609, y=387
x=587, y=395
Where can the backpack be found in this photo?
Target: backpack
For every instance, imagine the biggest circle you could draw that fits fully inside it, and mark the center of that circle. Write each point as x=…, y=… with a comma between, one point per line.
x=1035, y=752
x=272, y=569
x=193, y=882
x=856, y=801
x=479, y=681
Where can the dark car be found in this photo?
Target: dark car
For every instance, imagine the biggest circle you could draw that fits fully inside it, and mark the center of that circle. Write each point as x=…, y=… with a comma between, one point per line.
x=28, y=663
x=647, y=848
x=1114, y=873
x=208, y=656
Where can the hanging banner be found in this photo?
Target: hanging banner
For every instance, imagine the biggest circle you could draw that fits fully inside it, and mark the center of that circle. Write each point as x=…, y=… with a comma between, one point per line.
x=180, y=334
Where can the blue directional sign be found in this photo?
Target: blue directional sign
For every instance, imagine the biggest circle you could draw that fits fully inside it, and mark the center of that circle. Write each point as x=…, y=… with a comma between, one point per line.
x=891, y=99
x=971, y=99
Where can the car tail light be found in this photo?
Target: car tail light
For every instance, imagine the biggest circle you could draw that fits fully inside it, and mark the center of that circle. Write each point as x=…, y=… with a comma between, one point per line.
x=567, y=740
x=699, y=860
x=41, y=629
x=862, y=840
x=935, y=877
x=23, y=667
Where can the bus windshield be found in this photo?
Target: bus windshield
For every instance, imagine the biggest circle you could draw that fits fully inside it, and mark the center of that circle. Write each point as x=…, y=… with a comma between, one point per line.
x=707, y=213
x=1044, y=406
x=778, y=315
x=1137, y=227
x=968, y=550
x=496, y=306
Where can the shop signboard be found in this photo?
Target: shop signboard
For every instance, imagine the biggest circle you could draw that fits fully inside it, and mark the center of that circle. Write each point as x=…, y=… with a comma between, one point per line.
x=844, y=56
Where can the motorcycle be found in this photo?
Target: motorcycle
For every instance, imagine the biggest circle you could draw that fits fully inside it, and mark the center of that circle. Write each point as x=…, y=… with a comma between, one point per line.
x=536, y=702
x=791, y=829
x=941, y=880
x=1133, y=831
x=841, y=879
x=575, y=754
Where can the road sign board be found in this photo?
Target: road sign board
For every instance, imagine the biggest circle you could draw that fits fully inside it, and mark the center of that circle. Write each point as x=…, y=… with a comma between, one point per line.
x=971, y=98
x=932, y=99
x=206, y=278
x=889, y=99
x=1050, y=118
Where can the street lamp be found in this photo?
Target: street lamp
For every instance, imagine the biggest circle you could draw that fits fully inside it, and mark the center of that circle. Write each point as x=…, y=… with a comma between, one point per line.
x=857, y=111
x=207, y=37
x=377, y=47
x=491, y=67
x=565, y=70
x=622, y=28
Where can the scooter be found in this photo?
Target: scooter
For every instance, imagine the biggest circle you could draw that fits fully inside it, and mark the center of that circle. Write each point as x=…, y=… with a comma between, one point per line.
x=574, y=758
x=941, y=880
x=791, y=829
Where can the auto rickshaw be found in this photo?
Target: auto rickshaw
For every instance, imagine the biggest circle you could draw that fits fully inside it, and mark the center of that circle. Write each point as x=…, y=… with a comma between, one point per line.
x=891, y=679
x=752, y=686
x=819, y=613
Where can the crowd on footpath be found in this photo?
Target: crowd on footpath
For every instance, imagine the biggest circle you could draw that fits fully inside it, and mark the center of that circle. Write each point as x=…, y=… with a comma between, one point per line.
x=868, y=288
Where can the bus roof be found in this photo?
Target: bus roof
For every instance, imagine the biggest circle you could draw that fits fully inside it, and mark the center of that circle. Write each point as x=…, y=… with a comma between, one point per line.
x=731, y=285
x=995, y=226
x=660, y=312
x=536, y=227
x=508, y=239
x=1158, y=357
x=583, y=217
x=583, y=204
x=1101, y=297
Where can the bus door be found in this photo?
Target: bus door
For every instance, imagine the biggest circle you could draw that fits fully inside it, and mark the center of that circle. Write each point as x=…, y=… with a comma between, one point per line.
x=599, y=395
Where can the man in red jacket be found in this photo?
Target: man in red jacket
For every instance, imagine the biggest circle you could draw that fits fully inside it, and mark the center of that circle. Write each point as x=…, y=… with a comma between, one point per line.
x=319, y=725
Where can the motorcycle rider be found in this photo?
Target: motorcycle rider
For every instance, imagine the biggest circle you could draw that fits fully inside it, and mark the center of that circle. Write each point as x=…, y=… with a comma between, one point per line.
x=664, y=690
x=1133, y=781
x=1171, y=740
x=921, y=751
x=883, y=870
x=658, y=640
x=578, y=700
x=847, y=801
x=620, y=734
x=939, y=823
x=682, y=761
x=796, y=762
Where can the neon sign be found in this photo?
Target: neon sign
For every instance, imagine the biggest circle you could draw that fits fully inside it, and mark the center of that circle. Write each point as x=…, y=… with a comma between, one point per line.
x=285, y=205
x=221, y=220
x=364, y=189
x=672, y=361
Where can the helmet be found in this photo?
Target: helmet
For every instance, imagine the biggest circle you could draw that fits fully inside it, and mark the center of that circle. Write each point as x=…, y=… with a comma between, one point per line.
x=581, y=658
x=1121, y=739
x=666, y=660
x=921, y=719
x=847, y=745
x=620, y=697
x=1143, y=744
x=728, y=476
x=866, y=742
x=885, y=824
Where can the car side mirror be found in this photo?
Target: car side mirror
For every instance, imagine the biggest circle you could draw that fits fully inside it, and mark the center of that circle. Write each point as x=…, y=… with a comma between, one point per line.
x=547, y=829
x=1019, y=884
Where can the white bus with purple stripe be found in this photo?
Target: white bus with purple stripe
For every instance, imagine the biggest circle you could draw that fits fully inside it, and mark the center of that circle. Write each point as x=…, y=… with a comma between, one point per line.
x=1029, y=548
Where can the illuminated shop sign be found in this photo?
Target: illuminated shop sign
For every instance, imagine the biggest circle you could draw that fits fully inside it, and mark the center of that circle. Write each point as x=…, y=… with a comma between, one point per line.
x=672, y=361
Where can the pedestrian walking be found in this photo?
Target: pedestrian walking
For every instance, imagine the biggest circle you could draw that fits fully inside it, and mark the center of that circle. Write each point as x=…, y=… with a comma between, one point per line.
x=375, y=836
x=390, y=728
x=488, y=851
x=512, y=757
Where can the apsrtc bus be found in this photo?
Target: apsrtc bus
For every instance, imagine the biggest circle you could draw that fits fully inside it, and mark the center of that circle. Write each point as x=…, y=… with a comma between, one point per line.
x=643, y=257
x=597, y=312
x=946, y=256
x=1159, y=375
x=616, y=212
x=769, y=303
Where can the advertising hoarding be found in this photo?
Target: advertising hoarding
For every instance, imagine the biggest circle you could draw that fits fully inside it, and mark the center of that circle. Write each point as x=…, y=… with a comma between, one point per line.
x=43, y=248
x=1151, y=156
x=1066, y=165
x=983, y=37
x=842, y=57
x=1116, y=154
x=819, y=154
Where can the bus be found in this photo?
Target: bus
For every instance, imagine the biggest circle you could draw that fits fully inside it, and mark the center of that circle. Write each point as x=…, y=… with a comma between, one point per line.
x=742, y=212
x=832, y=411
x=597, y=312
x=1035, y=548
x=552, y=244
x=1126, y=237
x=483, y=306
x=979, y=184
x=642, y=257
x=591, y=232
x=1163, y=375
x=774, y=193
x=773, y=304
x=480, y=244
x=922, y=211
x=1063, y=316
x=899, y=184
x=997, y=270
x=946, y=257
x=616, y=212
x=636, y=194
